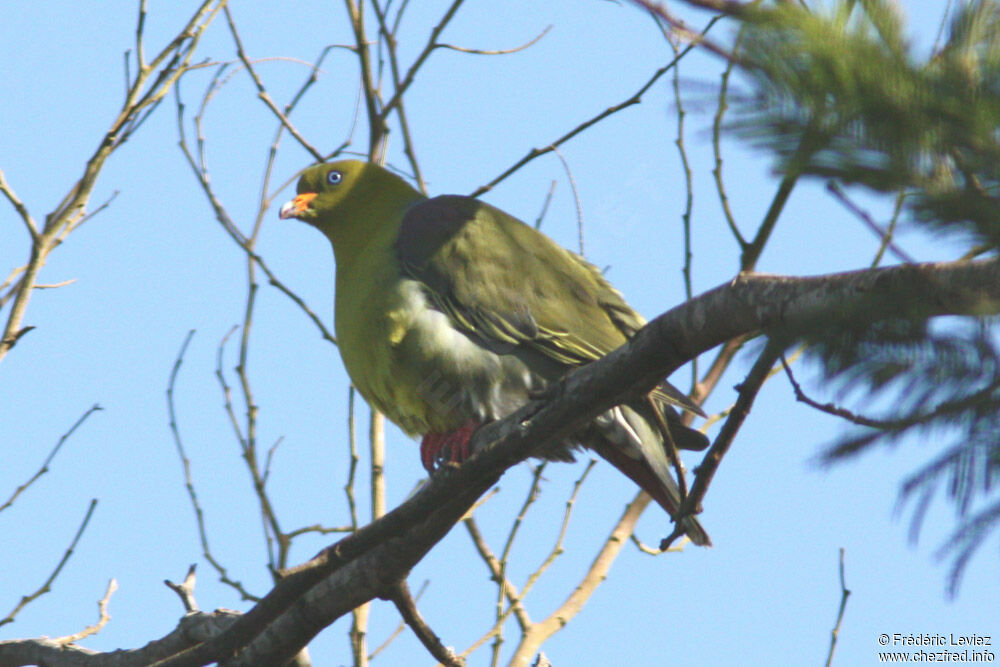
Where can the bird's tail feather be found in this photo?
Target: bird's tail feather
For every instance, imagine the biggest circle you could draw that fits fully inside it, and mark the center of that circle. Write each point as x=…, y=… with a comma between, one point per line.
x=628, y=441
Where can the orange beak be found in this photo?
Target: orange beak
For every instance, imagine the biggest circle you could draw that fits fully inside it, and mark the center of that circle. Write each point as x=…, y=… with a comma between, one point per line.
x=294, y=208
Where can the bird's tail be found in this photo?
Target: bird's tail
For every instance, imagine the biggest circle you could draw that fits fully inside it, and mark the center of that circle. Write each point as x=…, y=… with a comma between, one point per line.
x=628, y=441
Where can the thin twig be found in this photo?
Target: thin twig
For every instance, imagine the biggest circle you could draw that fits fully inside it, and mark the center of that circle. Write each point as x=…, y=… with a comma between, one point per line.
x=497, y=52
x=262, y=91
x=222, y=216
x=656, y=551
x=545, y=205
x=714, y=373
x=47, y=586
x=636, y=98
x=685, y=32
x=102, y=618
x=352, y=438
x=705, y=471
x=516, y=605
x=483, y=499
x=501, y=578
x=319, y=530
x=884, y=235
x=360, y=615
x=376, y=435
x=269, y=459
x=199, y=514
x=720, y=112
x=369, y=88
x=830, y=408
x=595, y=575
x=557, y=547
x=844, y=594
x=388, y=38
x=89, y=216
x=14, y=273
x=55, y=285
x=48, y=459
x=515, y=598
x=22, y=210
x=407, y=80
x=273, y=534
x=576, y=200
x=803, y=152
x=893, y=221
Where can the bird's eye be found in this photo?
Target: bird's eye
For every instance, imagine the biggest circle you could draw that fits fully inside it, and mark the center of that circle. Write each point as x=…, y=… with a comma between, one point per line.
x=334, y=177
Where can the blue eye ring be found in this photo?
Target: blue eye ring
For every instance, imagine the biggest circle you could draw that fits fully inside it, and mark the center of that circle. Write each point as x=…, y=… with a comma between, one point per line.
x=334, y=177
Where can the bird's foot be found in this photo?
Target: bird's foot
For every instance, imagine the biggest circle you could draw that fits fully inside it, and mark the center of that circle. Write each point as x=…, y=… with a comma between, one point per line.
x=451, y=447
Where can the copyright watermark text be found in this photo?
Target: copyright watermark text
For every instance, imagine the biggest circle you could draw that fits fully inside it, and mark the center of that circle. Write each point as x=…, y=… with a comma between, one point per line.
x=932, y=647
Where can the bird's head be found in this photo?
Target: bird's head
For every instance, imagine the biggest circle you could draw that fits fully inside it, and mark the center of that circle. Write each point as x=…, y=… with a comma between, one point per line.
x=340, y=195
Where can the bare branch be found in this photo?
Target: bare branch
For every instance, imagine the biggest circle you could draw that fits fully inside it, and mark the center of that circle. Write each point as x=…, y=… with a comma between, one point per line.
x=844, y=594
x=55, y=285
x=884, y=236
x=152, y=82
x=597, y=573
x=657, y=551
x=185, y=589
x=557, y=547
x=369, y=88
x=399, y=628
x=829, y=408
x=497, y=52
x=748, y=391
x=48, y=459
x=407, y=80
x=102, y=618
x=576, y=200
x=19, y=206
x=352, y=467
x=636, y=98
x=262, y=91
x=389, y=39
x=496, y=571
x=47, y=586
x=200, y=170
x=545, y=205
x=199, y=514
x=501, y=577
x=720, y=112
x=407, y=608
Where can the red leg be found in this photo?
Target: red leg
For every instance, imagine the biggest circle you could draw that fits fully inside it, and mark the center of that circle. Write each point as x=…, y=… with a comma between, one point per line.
x=452, y=447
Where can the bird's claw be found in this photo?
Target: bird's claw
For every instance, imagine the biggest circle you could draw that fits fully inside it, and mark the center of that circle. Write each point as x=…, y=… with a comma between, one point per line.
x=437, y=449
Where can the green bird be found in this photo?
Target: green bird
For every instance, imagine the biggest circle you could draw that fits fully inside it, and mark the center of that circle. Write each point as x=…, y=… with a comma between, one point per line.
x=451, y=313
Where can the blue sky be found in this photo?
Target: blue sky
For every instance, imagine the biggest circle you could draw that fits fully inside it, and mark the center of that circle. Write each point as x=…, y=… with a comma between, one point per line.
x=156, y=264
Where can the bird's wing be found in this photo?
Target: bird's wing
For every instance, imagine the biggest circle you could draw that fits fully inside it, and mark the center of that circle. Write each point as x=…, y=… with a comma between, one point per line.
x=508, y=285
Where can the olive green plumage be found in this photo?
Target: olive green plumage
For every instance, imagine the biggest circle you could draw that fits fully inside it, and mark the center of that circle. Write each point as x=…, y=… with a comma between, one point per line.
x=449, y=310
